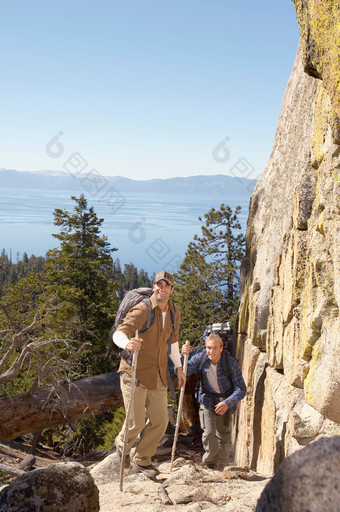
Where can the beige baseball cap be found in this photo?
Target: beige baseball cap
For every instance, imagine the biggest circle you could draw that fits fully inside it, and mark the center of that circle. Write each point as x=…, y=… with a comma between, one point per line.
x=169, y=278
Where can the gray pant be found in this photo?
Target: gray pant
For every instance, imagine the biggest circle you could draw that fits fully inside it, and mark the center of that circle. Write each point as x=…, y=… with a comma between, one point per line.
x=215, y=437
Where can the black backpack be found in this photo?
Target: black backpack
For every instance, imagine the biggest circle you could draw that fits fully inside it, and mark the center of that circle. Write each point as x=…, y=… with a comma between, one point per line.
x=131, y=299
x=225, y=331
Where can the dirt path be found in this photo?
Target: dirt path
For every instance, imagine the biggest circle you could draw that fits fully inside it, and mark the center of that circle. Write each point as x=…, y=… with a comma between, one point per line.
x=188, y=488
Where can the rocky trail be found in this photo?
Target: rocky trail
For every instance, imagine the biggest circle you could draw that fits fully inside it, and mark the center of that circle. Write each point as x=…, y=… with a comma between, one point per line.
x=189, y=487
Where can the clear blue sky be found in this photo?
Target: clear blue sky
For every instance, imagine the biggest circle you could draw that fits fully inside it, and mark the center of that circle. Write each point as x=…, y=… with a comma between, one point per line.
x=144, y=89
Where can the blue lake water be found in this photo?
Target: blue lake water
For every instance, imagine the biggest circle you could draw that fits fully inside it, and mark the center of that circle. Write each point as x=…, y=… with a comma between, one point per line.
x=150, y=230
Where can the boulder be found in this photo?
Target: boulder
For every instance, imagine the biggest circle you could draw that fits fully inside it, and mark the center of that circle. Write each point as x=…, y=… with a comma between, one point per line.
x=60, y=487
x=306, y=481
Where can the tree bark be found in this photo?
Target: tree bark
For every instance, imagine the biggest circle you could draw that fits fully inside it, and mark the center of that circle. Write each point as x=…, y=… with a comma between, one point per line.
x=27, y=463
x=23, y=414
x=190, y=405
x=7, y=470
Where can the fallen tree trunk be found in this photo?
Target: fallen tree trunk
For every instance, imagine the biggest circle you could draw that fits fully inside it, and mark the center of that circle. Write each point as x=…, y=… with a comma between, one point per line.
x=23, y=414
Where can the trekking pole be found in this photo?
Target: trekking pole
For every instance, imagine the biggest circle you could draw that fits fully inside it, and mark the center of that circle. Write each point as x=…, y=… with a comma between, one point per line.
x=127, y=416
x=179, y=412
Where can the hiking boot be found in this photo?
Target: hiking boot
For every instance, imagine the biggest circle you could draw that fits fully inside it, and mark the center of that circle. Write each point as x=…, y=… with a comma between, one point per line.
x=150, y=471
x=127, y=461
x=216, y=467
x=209, y=465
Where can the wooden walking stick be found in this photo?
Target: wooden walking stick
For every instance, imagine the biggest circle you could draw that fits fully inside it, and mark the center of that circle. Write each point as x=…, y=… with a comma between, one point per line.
x=179, y=412
x=127, y=416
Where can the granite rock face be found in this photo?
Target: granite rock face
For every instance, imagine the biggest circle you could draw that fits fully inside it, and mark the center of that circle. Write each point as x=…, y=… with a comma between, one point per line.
x=319, y=29
x=289, y=324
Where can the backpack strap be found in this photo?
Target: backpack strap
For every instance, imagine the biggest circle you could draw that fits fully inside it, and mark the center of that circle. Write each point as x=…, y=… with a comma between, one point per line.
x=173, y=320
x=227, y=367
x=151, y=314
x=201, y=363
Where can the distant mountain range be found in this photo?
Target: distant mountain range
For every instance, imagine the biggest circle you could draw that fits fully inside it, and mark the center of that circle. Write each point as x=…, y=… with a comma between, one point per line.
x=59, y=180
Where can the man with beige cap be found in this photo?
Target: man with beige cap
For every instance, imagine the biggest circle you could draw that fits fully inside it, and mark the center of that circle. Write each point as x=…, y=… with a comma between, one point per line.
x=149, y=412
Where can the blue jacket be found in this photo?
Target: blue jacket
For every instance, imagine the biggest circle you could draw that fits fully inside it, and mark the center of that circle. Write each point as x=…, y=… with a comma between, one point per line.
x=234, y=384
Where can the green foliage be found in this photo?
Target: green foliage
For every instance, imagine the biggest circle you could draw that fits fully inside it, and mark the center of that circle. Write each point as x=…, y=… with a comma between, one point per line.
x=36, y=349
x=112, y=429
x=207, y=288
x=130, y=278
x=10, y=272
x=82, y=273
x=20, y=385
x=88, y=434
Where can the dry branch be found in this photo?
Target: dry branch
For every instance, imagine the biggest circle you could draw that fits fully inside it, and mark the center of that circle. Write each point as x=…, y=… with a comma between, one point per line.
x=27, y=463
x=7, y=470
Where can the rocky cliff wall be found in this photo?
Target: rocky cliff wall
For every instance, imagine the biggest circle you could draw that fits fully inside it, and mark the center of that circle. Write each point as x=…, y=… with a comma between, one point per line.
x=289, y=328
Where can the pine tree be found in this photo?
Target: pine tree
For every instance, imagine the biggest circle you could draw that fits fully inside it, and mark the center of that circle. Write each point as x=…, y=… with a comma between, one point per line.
x=11, y=272
x=4, y=269
x=143, y=279
x=208, y=279
x=81, y=271
x=130, y=276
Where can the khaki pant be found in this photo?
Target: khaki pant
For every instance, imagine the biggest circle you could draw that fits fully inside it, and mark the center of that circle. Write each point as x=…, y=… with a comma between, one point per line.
x=215, y=437
x=149, y=414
